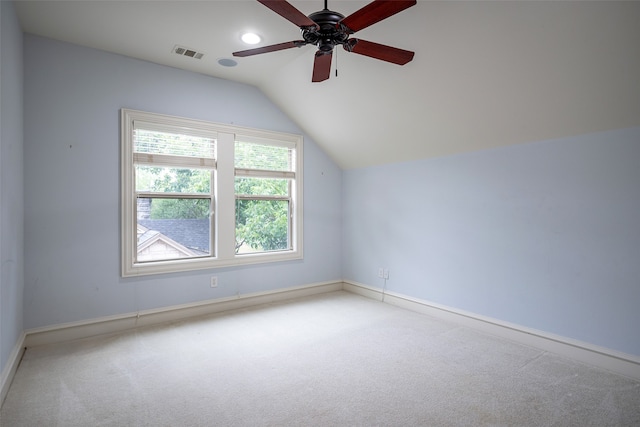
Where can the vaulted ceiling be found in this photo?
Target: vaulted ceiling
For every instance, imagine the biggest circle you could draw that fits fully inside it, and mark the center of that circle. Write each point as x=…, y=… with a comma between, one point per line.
x=485, y=74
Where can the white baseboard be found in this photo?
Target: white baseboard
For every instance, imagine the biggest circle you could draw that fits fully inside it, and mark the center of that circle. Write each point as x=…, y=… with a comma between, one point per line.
x=604, y=358
x=620, y=363
x=119, y=323
x=11, y=367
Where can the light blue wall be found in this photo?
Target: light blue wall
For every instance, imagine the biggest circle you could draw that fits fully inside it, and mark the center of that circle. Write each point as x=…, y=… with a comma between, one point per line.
x=545, y=235
x=11, y=182
x=72, y=179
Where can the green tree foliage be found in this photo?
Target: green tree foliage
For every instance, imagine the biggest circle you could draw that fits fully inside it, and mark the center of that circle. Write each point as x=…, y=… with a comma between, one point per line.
x=175, y=181
x=263, y=225
x=180, y=208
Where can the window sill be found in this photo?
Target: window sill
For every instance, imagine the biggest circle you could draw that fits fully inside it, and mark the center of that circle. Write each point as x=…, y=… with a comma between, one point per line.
x=182, y=265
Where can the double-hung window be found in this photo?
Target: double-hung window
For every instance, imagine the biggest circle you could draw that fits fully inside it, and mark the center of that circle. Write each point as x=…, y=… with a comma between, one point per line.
x=264, y=183
x=197, y=194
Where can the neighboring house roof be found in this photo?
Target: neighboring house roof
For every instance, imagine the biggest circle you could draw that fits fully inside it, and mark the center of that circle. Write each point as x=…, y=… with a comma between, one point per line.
x=193, y=234
x=154, y=246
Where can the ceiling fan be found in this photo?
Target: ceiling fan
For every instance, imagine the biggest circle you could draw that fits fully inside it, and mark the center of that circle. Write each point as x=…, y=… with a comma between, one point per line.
x=327, y=29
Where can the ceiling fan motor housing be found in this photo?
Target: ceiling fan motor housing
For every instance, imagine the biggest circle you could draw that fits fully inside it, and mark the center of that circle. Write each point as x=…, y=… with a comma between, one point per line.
x=329, y=34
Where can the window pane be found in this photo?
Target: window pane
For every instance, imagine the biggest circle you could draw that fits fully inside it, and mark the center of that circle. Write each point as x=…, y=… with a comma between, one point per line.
x=262, y=225
x=266, y=157
x=154, y=142
x=171, y=180
x=173, y=228
x=262, y=186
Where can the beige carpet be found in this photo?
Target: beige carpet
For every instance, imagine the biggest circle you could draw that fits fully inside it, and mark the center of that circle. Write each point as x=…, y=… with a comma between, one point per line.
x=336, y=359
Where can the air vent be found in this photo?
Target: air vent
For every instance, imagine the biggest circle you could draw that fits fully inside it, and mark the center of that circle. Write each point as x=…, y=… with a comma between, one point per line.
x=184, y=51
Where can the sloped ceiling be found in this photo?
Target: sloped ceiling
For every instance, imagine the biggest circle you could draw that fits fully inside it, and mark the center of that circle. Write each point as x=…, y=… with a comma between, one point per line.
x=485, y=74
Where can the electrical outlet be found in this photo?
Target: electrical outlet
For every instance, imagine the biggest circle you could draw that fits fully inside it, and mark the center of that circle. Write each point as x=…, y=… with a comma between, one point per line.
x=386, y=273
x=214, y=281
x=381, y=273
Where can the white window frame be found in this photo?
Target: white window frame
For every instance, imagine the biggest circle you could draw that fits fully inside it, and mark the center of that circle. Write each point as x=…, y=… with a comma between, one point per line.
x=223, y=222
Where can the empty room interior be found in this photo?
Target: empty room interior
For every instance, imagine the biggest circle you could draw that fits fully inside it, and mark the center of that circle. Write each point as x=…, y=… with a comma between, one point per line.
x=373, y=213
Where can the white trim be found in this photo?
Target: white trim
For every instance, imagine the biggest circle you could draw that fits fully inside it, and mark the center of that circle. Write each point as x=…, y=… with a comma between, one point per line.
x=119, y=323
x=225, y=199
x=601, y=357
x=611, y=360
x=11, y=367
x=223, y=231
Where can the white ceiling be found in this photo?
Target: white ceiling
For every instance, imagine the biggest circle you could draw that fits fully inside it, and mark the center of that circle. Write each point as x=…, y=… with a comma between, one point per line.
x=485, y=74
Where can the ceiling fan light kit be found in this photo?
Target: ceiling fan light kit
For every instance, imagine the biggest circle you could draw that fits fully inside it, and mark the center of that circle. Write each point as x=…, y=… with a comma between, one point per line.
x=327, y=29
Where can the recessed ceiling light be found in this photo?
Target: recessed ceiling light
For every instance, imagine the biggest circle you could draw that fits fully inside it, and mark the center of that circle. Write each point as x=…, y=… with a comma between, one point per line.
x=251, y=38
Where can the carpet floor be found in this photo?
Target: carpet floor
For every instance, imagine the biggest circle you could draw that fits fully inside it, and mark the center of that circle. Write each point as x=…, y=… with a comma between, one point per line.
x=335, y=359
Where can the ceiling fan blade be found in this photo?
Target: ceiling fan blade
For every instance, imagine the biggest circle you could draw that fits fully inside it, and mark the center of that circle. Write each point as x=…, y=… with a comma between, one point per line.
x=322, y=66
x=290, y=13
x=374, y=12
x=270, y=48
x=379, y=51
